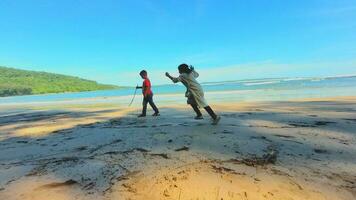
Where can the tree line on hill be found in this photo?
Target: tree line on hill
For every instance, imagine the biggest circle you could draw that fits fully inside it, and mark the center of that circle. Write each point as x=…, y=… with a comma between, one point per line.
x=23, y=82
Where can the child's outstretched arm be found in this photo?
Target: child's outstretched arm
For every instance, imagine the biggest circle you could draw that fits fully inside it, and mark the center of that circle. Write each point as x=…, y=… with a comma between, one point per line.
x=174, y=79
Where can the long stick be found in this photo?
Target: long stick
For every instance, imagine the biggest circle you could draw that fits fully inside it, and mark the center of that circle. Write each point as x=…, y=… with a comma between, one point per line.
x=133, y=97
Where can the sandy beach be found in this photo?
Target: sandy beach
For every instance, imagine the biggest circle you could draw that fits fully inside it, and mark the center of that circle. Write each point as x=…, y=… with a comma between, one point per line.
x=302, y=149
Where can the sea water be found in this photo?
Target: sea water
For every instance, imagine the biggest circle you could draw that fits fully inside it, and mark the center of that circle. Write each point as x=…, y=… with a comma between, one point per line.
x=277, y=89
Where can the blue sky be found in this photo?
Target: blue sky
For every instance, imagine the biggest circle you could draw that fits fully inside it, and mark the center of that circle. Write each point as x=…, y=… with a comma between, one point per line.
x=110, y=41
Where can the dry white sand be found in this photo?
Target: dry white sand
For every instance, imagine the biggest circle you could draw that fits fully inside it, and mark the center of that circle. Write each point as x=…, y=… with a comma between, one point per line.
x=279, y=150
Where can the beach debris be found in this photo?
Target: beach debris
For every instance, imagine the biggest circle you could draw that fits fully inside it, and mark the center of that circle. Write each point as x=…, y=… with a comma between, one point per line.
x=165, y=125
x=99, y=147
x=166, y=193
x=92, y=125
x=63, y=131
x=227, y=132
x=90, y=186
x=184, y=148
x=323, y=123
x=82, y=148
x=297, y=185
x=140, y=126
x=284, y=136
x=288, y=138
x=129, y=188
x=220, y=169
x=183, y=124
x=320, y=151
x=354, y=120
x=51, y=163
x=269, y=158
x=314, y=124
x=163, y=155
x=114, y=122
x=22, y=141
x=279, y=172
x=112, y=152
x=69, y=138
x=301, y=125
x=261, y=137
x=142, y=150
x=128, y=175
x=58, y=184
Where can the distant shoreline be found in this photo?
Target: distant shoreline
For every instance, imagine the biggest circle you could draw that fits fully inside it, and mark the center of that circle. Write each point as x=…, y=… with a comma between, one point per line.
x=119, y=88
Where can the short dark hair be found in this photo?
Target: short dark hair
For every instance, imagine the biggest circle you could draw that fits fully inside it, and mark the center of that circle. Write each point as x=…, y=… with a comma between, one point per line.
x=184, y=68
x=143, y=73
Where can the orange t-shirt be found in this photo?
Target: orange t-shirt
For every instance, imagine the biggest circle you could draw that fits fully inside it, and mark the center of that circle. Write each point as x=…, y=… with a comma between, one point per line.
x=146, y=87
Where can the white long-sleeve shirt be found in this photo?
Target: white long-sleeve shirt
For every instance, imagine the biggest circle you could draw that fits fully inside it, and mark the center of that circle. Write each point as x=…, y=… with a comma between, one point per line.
x=193, y=87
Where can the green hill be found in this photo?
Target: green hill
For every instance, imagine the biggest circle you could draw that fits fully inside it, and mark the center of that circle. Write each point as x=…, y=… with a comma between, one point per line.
x=23, y=82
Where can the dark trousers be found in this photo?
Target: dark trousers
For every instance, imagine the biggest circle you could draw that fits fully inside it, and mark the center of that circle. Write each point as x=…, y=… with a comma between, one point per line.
x=196, y=109
x=194, y=105
x=148, y=99
x=208, y=110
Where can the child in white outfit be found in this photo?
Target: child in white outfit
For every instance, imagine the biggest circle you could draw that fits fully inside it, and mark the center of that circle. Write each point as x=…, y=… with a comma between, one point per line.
x=194, y=93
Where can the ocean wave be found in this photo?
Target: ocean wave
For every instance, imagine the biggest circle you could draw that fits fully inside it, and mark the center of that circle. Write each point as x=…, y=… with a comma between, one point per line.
x=296, y=79
x=261, y=83
x=317, y=79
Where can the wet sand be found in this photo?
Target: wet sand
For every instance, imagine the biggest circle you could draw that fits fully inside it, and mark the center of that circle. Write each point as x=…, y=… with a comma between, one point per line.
x=303, y=149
